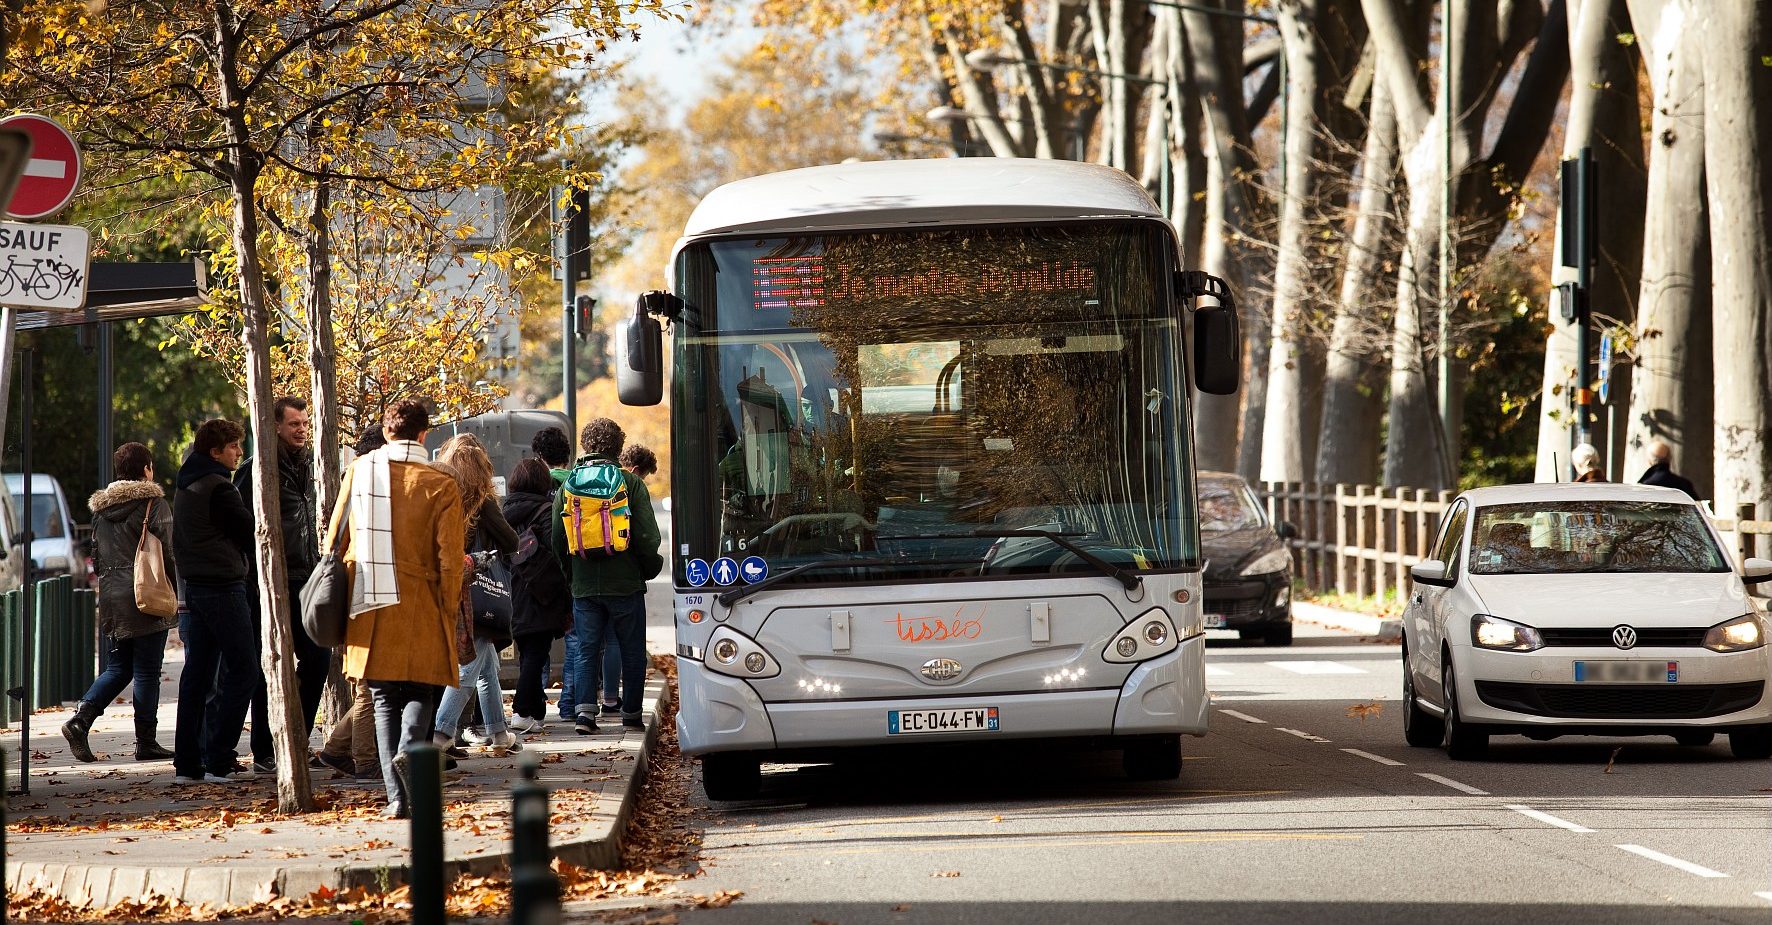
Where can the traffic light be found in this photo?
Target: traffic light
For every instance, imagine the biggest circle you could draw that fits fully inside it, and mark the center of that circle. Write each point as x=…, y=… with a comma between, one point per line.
x=585, y=316
x=578, y=235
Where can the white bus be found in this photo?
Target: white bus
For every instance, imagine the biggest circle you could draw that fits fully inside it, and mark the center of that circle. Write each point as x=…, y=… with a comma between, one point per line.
x=932, y=466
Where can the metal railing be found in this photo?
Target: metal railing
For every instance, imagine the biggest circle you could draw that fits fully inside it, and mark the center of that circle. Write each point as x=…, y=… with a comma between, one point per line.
x=63, y=650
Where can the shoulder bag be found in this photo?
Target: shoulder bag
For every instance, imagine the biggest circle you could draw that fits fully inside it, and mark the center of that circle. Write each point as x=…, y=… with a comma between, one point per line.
x=154, y=594
x=326, y=598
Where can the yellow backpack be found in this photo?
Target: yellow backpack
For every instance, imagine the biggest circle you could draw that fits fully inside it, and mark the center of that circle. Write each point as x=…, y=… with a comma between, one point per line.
x=595, y=510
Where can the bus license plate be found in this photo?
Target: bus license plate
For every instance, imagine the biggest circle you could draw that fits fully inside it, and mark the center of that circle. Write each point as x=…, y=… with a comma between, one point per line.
x=912, y=722
x=1619, y=671
x=1215, y=621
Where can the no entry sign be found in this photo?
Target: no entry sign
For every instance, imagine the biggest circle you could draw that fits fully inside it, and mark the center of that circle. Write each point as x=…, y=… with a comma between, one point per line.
x=53, y=172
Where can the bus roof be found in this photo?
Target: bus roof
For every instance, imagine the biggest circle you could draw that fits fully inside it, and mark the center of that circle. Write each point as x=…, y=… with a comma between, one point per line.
x=883, y=193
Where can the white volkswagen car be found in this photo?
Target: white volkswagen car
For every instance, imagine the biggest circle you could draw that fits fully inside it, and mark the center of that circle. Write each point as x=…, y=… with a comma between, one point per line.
x=1584, y=609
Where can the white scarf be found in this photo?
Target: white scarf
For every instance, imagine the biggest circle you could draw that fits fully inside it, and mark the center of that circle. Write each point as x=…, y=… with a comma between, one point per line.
x=372, y=524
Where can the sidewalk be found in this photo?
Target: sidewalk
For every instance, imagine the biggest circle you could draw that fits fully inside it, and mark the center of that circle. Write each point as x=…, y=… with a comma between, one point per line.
x=117, y=829
x=1384, y=629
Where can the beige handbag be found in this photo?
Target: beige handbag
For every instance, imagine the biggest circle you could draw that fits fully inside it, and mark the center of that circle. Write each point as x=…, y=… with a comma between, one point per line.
x=154, y=594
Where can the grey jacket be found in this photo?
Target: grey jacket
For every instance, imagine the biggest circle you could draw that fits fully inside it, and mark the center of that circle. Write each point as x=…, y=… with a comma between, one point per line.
x=117, y=513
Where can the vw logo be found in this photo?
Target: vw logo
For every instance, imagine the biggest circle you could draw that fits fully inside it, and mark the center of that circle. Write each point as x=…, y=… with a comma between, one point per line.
x=941, y=669
x=1624, y=637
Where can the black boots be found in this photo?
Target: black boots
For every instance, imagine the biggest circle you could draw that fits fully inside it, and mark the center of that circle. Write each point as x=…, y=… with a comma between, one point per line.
x=146, y=748
x=74, y=730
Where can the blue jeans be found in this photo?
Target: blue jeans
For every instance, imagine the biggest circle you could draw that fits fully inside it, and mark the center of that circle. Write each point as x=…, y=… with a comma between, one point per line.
x=612, y=664
x=137, y=658
x=221, y=669
x=402, y=711
x=623, y=619
x=569, y=672
x=481, y=674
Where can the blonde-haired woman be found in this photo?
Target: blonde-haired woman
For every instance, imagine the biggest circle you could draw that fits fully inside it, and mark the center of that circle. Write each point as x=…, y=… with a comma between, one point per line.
x=463, y=458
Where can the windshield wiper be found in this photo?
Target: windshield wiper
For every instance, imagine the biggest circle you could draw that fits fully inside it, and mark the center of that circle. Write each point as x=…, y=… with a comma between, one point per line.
x=1128, y=580
x=728, y=598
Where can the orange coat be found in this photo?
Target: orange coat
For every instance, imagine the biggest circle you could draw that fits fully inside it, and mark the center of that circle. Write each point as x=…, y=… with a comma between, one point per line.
x=413, y=640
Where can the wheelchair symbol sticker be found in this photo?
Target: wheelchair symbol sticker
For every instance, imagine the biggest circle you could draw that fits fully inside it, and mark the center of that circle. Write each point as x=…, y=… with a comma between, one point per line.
x=753, y=570
x=725, y=571
x=696, y=572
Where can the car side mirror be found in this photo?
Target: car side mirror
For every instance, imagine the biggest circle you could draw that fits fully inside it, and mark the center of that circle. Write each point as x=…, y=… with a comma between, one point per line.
x=1756, y=570
x=1284, y=530
x=1430, y=573
x=639, y=366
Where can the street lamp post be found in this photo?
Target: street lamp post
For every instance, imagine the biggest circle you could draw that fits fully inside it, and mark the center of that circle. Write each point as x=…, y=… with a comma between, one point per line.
x=986, y=60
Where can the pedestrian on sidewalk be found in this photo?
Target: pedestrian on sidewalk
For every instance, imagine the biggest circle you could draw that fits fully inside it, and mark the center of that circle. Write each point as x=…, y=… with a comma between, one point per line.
x=1586, y=460
x=212, y=540
x=135, y=641
x=641, y=461
x=1661, y=471
x=552, y=446
x=540, y=603
x=404, y=552
x=609, y=589
x=301, y=554
x=486, y=535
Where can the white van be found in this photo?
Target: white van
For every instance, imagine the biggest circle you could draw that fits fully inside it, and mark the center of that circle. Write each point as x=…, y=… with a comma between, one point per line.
x=53, y=544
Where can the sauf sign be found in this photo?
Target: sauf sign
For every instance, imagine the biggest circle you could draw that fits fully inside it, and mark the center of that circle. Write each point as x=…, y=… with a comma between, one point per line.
x=44, y=266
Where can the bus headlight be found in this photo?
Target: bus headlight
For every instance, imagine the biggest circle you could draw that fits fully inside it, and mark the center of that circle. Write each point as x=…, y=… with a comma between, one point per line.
x=733, y=653
x=1150, y=635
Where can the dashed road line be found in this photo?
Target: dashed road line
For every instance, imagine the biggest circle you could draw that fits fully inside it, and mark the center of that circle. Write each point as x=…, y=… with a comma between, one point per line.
x=1303, y=735
x=1371, y=757
x=1766, y=895
x=1216, y=671
x=1455, y=785
x=1243, y=716
x=1548, y=819
x=1671, y=861
x=1317, y=668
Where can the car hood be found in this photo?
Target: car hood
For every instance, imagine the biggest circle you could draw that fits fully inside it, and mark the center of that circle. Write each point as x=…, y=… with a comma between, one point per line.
x=1227, y=551
x=1603, y=600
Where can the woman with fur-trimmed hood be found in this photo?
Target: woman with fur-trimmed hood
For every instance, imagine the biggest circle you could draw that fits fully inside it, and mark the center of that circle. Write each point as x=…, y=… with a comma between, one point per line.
x=137, y=641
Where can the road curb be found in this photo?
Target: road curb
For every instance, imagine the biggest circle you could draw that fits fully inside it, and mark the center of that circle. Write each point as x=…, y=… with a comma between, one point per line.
x=1386, y=629
x=596, y=845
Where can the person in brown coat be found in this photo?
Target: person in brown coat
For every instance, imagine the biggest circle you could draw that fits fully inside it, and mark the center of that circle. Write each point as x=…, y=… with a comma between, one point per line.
x=405, y=557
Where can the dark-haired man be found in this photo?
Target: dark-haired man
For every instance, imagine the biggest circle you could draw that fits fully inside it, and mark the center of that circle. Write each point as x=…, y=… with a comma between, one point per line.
x=551, y=446
x=211, y=541
x=609, y=591
x=301, y=554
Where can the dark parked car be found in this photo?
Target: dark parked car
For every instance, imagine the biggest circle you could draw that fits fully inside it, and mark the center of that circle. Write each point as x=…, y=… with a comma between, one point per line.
x=1248, y=567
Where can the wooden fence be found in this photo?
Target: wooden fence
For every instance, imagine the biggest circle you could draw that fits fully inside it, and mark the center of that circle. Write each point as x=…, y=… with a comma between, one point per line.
x=1361, y=539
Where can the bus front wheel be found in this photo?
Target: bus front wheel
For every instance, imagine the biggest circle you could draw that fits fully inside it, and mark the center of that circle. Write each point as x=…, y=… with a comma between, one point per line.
x=731, y=775
x=1154, y=758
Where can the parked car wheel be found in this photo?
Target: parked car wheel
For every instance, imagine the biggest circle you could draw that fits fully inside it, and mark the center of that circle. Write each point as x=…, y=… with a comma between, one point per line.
x=1421, y=729
x=1277, y=634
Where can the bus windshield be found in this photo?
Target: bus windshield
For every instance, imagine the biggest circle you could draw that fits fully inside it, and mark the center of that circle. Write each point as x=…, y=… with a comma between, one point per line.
x=906, y=398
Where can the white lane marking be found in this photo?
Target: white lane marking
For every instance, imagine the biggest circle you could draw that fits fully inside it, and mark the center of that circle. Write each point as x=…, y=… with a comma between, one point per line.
x=1243, y=716
x=1766, y=895
x=1317, y=668
x=1302, y=735
x=1455, y=785
x=1670, y=861
x=1216, y=671
x=47, y=168
x=1371, y=757
x=1548, y=819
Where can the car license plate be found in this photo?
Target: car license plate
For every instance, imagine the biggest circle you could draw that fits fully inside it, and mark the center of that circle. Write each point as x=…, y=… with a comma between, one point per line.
x=916, y=722
x=1215, y=621
x=1621, y=671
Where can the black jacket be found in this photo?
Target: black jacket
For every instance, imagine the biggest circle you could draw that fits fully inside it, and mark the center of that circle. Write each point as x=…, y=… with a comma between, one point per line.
x=117, y=514
x=1661, y=474
x=211, y=530
x=539, y=598
x=295, y=497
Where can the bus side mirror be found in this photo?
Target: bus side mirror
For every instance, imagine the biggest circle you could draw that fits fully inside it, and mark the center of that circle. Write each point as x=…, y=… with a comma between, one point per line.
x=1218, y=350
x=639, y=367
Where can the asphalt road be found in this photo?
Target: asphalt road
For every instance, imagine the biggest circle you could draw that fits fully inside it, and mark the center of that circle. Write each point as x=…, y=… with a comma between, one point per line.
x=1302, y=805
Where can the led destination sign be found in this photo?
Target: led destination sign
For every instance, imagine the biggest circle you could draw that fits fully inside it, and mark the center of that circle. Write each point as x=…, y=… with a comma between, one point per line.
x=808, y=282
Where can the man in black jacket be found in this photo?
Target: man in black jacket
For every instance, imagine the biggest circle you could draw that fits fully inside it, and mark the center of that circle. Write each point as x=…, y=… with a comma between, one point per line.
x=211, y=541
x=301, y=554
x=1661, y=470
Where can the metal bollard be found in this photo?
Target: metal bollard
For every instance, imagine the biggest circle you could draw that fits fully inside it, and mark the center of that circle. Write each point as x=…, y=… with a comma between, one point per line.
x=424, y=804
x=535, y=891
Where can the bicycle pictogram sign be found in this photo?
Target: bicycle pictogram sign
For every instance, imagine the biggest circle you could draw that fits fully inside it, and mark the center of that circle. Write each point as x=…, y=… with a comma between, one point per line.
x=42, y=278
x=44, y=266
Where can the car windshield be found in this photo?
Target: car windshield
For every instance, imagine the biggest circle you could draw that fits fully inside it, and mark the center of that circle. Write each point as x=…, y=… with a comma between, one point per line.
x=1593, y=536
x=1227, y=506
x=46, y=520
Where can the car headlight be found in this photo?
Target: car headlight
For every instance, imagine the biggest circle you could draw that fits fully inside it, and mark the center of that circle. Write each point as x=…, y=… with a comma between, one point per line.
x=1489, y=632
x=1278, y=560
x=1737, y=635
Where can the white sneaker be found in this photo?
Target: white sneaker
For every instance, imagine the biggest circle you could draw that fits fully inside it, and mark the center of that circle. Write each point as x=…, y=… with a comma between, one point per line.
x=239, y=774
x=475, y=735
x=183, y=780
x=504, y=743
x=526, y=726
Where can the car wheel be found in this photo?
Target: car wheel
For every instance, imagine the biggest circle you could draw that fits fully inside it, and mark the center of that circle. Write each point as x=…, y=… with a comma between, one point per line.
x=1421, y=729
x=1754, y=742
x=1697, y=738
x=1155, y=758
x=1278, y=634
x=1463, y=741
x=731, y=775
